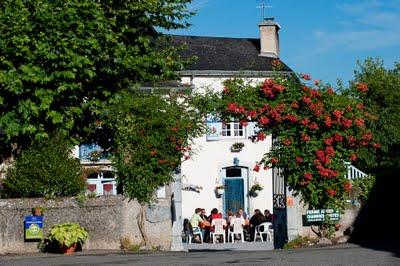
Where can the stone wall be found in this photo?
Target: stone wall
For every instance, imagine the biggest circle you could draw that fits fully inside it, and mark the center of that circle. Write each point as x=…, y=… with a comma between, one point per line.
x=296, y=210
x=106, y=218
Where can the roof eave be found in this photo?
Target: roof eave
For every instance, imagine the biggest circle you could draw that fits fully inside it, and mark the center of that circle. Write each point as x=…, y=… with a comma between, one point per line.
x=230, y=73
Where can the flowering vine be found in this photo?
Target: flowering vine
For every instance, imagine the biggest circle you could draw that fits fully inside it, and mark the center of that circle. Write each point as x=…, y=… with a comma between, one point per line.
x=316, y=129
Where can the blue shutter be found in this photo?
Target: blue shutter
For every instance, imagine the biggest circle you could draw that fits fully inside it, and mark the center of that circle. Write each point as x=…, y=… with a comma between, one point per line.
x=251, y=129
x=85, y=150
x=214, y=128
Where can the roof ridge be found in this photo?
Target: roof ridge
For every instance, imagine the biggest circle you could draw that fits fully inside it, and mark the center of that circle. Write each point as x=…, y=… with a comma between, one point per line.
x=212, y=37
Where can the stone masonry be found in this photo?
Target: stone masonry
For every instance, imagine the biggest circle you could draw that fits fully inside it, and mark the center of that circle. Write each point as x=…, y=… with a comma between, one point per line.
x=107, y=219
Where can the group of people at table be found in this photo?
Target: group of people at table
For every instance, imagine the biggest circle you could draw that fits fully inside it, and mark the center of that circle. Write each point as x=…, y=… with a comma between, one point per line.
x=201, y=222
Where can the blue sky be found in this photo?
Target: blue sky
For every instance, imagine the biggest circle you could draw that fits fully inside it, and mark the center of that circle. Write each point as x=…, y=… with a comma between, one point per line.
x=324, y=38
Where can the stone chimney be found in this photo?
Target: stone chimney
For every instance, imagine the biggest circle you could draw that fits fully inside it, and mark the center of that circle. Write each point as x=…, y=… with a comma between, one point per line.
x=269, y=38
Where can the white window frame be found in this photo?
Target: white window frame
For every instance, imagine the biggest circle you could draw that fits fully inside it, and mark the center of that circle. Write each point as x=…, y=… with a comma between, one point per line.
x=232, y=130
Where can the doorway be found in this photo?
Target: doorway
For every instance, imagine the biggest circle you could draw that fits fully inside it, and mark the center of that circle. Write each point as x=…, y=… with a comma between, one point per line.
x=236, y=187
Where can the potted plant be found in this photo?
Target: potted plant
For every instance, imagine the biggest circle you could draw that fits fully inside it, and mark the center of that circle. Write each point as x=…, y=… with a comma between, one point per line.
x=95, y=155
x=237, y=146
x=219, y=190
x=67, y=235
x=37, y=211
x=257, y=187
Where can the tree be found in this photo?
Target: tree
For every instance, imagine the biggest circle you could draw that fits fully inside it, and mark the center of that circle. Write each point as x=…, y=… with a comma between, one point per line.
x=382, y=100
x=61, y=61
x=317, y=131
x=152, y=134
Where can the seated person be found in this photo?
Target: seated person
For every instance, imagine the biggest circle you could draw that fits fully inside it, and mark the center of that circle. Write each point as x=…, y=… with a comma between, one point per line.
x=203, y=214
x=229, y=216
x=205, y=225
x=195, y=221
x=268, y=216
x=257, y=219
x=214, y=215
x=241, y=214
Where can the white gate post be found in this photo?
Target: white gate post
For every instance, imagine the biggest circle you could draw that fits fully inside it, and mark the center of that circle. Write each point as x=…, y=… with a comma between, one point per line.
x=176, y=204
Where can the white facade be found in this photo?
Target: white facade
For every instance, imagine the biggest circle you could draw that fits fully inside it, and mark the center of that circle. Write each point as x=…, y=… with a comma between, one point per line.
x=208, y=166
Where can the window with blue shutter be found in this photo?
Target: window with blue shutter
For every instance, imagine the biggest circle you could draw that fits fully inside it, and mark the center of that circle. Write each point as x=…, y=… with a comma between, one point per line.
x=86, y=151
x=214, y=130
x=252, y=129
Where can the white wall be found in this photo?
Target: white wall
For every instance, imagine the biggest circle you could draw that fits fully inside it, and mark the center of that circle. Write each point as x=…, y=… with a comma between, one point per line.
x=204, y=168
x=215, y=83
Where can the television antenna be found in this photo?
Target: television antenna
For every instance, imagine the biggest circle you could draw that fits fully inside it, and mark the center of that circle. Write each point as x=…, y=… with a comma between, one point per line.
x=263, y=6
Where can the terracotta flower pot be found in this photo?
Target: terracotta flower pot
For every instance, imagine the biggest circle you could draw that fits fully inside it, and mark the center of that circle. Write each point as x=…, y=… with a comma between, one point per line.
x=37, y=212
x=68, y=250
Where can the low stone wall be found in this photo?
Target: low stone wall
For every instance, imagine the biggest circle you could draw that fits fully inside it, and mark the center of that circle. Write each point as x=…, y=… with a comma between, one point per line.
x=296, y=211
x=106, y=218
x=347, y=219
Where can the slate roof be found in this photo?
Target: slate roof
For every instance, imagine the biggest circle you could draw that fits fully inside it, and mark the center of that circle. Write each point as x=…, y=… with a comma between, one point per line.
x=224, y=54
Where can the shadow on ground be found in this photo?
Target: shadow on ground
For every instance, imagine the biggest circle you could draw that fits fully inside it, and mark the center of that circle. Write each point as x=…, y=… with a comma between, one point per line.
x=377, y=226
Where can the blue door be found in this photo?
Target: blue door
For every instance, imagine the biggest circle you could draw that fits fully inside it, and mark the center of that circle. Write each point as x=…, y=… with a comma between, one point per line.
x=234, y=194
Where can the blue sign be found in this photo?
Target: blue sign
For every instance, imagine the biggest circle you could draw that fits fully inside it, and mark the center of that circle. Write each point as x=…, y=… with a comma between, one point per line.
x=33, y=227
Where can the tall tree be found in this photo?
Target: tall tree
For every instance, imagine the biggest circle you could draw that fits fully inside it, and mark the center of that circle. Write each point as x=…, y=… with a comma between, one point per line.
x=61, y=61
x=73, y=66
x=382, y=101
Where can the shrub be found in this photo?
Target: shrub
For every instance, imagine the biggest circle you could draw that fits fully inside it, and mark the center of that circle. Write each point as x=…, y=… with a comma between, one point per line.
x=361, y=188
x=68, y=234
x=47, y=169
x=300, y=241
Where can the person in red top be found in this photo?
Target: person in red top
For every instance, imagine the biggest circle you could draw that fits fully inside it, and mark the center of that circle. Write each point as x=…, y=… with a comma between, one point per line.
x=214, y=215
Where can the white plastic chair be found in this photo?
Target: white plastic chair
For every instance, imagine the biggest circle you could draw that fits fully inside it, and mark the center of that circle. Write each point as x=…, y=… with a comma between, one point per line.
x=264, y=229
x=237, y=229
x=195, y=231
x=218, y=225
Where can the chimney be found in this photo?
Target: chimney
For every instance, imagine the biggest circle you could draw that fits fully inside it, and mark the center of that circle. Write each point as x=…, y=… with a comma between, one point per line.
x=269, y=38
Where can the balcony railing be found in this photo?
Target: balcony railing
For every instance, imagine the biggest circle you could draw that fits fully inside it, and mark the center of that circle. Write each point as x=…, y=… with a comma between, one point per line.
x=353, y=172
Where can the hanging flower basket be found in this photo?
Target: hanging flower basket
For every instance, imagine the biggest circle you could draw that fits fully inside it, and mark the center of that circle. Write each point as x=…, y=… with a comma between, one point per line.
x=255, y=189
x=95, y=156
x=219, y=190
x=253, y=194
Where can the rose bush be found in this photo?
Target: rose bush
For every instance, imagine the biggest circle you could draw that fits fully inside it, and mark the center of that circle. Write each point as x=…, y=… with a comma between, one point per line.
x=316, y=130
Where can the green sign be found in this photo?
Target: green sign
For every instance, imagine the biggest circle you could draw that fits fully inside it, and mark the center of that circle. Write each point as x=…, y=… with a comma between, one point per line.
x=33, y=227
x=319, y=215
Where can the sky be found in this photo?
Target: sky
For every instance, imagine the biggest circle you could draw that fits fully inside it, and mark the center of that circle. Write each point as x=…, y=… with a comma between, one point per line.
x=323, y=38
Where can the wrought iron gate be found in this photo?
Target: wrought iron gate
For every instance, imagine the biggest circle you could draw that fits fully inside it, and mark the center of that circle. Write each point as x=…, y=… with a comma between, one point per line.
x=279, y=208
